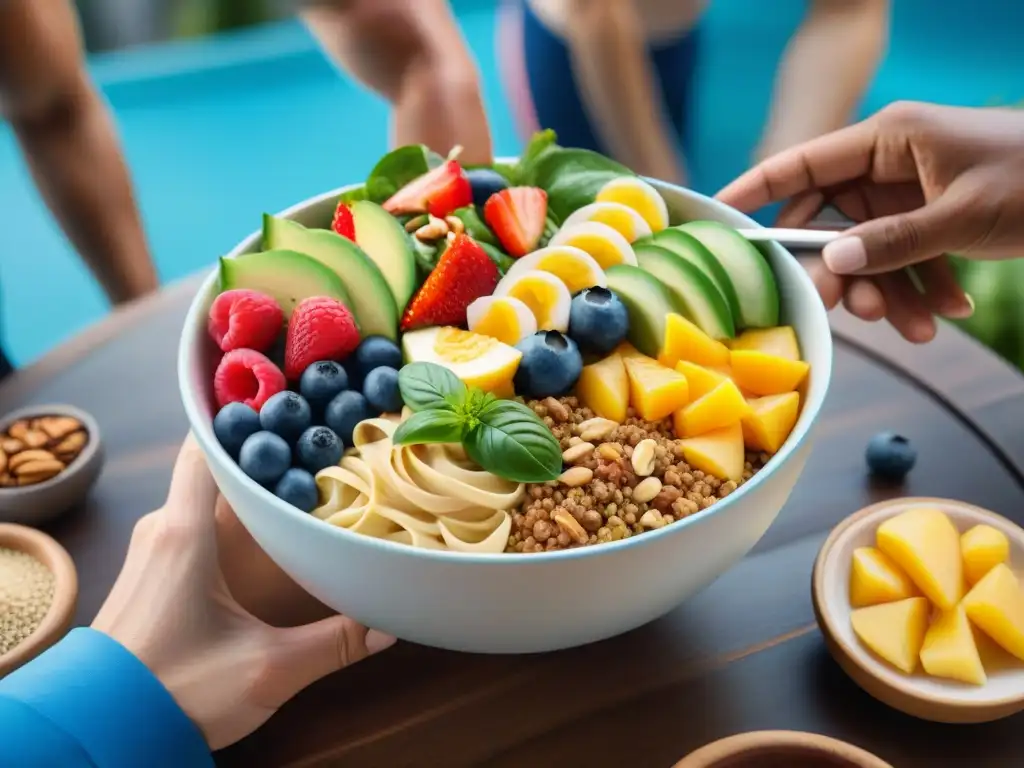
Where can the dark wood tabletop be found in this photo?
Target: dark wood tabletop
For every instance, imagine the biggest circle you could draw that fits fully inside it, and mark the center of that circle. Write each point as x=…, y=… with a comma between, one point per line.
x=743, y=655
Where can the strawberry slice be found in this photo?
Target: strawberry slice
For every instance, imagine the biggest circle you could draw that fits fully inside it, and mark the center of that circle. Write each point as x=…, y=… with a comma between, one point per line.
x=517, y=217
x=463, y=274
x=343, y=223
x=438, y=192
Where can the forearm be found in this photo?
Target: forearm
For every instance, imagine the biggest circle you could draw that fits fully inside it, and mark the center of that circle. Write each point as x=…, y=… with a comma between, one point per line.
x=826, y=70
x=73, y=152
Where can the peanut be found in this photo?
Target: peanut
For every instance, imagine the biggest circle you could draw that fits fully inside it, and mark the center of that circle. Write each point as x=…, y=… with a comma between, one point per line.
x=647, y=490
x=36, y=438
x=597, y=428
x=609, y=451
x=576, y=476
x=556, y=410
x=11, y=445
x=569, y=524
x=58, y=427
x=652, y=519
x=32, y=472
x=577, y=452
x=643, y=457
x=18, y=429
x=434, y=229
x=72, y=444
x=25, y=457
x=455, y=224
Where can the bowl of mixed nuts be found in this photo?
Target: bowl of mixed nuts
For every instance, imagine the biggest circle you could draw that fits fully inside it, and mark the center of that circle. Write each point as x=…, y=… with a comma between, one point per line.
x=50, y=456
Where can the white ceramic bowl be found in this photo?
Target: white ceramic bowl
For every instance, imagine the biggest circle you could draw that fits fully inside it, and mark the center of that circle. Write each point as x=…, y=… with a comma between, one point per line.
x=514, y=603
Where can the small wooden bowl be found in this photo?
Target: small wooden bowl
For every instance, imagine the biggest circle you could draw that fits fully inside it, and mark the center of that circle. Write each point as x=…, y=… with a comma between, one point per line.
x=65, y=595
x=780, y=749
x=919, y=695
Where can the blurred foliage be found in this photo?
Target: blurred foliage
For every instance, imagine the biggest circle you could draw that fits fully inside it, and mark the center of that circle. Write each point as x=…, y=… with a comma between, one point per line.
x=201, y=17
x=997, y=288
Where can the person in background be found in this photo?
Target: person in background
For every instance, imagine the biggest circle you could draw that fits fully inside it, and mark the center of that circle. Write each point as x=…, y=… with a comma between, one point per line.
x=68, y=138
x=615, y=76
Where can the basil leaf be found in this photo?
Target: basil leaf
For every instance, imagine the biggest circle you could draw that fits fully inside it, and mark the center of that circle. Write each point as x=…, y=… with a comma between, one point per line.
x=430, y=426
x=573, y=177
x=512, y=442
x=475, y=226
x=396, y=169
x=430, y=386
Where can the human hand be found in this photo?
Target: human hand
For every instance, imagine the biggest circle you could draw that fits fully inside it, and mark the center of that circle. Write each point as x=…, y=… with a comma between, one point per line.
x=924, y=180
x=170, y=606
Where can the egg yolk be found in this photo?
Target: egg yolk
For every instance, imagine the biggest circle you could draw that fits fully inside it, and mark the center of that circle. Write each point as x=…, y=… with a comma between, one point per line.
x=500, y=322
x=603, y=250
x=539, y=296
x=617, y=219
x=567, y=269
x=454, y=345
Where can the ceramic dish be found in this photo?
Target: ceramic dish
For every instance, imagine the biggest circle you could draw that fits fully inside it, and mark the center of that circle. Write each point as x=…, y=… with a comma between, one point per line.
x=780, y=749
x=920, y=695
x=65, y=596
x=39, y=503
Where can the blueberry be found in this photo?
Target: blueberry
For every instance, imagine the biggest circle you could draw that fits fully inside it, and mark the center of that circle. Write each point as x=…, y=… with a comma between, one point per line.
x=265, y=457
x=345, y=411
x=286, y=414
x=890, y=456
x=381, y=390
x=598, y=320
x=373, y=352
x=321, y=382
x=233, y=423
x=298, y=488
x=484, y=182
x=550, y=366
x=318, y=447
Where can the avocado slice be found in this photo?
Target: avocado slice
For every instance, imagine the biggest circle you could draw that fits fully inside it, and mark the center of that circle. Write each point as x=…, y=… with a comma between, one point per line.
x=648, y=303
x=286, y=276
x=704, y=304
x=749, y=272
x=389, y=246
x=372, y=302
x=690, y=248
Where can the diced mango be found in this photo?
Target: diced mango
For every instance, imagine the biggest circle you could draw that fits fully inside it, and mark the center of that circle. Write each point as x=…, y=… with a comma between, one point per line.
x=625, y=349
x=780, y=341
x=765, y=374
x=655, y=391
x=722, y=406
x=504, y=391
x=685, y=341
x=949, y=649
x=700, y=378
x=875, y=579
x=770, y=420
x=719, y=452
x=996, y=606
x=603, y=387
x=926, y=545
x=894, y=631
x=983, y=547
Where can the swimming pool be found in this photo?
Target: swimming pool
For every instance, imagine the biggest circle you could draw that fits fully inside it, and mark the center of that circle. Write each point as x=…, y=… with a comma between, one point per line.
x=219, y=130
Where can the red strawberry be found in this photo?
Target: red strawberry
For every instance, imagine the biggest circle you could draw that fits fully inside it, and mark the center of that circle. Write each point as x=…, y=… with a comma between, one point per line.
x=244, y=318
x=247, y=376
x=517, y=217
x=438, y=192
x=463, y=274
x=321, y=328
x=343, y=223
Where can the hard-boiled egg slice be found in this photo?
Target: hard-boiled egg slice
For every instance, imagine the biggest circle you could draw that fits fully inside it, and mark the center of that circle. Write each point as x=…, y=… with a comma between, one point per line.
x=640, y=196
x=478, y=360
x=573, y=266
x=623, y=219
x=504, y=318
x=545, y=295
x=602, y=242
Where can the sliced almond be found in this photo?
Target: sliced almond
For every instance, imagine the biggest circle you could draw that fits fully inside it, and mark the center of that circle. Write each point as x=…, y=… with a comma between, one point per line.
x=72, y=444
x=36, y=438
x=11, y=445
x=18, y=429
x=571, y=526
x=20, y=459
x=37, y=471
x=59, y=427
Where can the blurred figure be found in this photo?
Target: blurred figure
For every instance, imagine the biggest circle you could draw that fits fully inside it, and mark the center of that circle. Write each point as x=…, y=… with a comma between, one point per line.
x=615, y=76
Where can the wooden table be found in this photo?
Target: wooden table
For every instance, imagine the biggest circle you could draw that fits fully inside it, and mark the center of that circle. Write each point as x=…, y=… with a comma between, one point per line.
x=743, y=655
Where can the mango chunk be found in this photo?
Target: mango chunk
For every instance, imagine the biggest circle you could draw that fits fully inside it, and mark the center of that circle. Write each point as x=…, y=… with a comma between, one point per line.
x=765, y=374
x=685, y=341
x=875, y=579
x=983, y=548
x=722, y=406
x=996, y=606
x=625, y=349
x=603, y=387
x=779, y=341
x=770, y=420
x=949, y=649
x=894, y=631
x=926, y=545
x=701, y=379
x=655, y=391
x=719, y=452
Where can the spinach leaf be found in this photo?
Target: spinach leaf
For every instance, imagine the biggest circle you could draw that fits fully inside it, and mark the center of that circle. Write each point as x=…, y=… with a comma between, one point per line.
x=426, y=256
x=511, y=441
x=539, y=144
x=434, y=425
x=429, y=386
x=354, y=194
x=501, y=259
x=572, y=177
x=510, y=171
x=475, y=226
x=397, y=168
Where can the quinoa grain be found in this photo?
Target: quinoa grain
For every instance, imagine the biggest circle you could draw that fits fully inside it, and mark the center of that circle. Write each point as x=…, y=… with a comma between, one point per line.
x=26, y=593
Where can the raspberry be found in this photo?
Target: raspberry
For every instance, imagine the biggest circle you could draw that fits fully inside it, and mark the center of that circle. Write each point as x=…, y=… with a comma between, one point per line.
x=247, y=376
x=320, y=328
x=242, y=318
x=343, y=223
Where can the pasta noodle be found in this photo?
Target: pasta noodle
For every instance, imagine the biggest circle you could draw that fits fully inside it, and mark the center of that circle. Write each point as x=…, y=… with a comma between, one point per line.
x=430, y=496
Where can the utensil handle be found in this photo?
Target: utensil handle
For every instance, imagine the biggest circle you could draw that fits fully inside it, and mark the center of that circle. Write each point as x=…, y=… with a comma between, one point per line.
x=793, y=238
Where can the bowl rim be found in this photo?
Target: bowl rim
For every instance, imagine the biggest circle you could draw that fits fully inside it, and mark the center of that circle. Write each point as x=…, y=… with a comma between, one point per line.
x=80, y=462
x=202, y=427
x=711, y=755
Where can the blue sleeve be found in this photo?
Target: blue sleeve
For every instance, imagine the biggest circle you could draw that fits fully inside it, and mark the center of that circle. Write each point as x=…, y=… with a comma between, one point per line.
x=87, y=702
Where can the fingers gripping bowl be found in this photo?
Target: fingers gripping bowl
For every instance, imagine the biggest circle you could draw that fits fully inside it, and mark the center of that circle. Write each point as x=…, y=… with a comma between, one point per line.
x=486, y=600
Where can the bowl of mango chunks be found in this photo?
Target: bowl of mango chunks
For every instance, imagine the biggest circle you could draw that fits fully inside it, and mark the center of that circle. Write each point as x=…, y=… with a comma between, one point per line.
x=920, y=602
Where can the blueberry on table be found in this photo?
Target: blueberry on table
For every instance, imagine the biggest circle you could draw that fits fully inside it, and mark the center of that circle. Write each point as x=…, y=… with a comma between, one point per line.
x=890, y=455
x=321, y=382
x=265, y=457
x=233, y=424
x=598, y=320
x=344, y=412
x=373, y=352
x=550, y=366
x=381, y=390
x=286, y=414
x=484, y=182
x=317, y=448
x=298, y=488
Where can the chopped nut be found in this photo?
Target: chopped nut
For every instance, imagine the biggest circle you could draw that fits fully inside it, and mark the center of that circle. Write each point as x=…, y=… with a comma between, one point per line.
x=577, y=452
x=24, y=457
x=643, y=458
x=569, y=525
x=652, y=519
x=455, y=224
x=434, y=229
x=556, y=410
x=58, y=427
x=576, y=476
x=597, y=428
x=33, y=472
x=647, y=490
x=609, y=451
